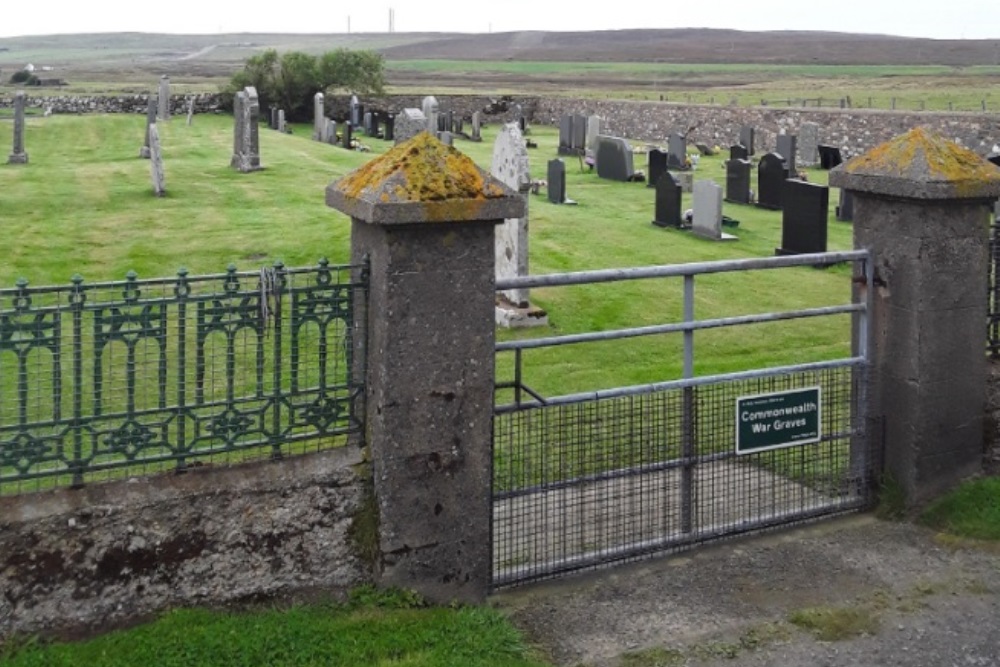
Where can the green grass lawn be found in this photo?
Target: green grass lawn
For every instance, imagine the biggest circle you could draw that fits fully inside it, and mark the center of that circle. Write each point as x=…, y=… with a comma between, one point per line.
x=971, y=511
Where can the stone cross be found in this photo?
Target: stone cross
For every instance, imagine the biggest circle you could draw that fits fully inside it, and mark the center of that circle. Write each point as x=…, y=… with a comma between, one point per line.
x=164, y=113
x=156, y=162
x=17, y=154
x=151, y=105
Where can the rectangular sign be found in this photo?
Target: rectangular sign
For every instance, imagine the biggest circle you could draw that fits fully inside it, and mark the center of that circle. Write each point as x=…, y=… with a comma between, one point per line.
x=781, y=419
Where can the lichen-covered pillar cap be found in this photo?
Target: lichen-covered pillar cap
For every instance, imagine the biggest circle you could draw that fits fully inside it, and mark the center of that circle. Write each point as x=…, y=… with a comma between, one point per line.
x=919, y=165
x=423, y=181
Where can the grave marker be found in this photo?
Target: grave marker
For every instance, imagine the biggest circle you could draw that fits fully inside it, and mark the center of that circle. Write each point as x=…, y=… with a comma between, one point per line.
x=614, y=159
x=282, y=127
x=164, y=113
x=808, y=151
x=803, y=218
x=593, y=130
x=156, y=162
x=152, y=103
x=190, y=110
x=17, y=153
x=787, y=149
x=511, y=167
x=656, y=166
x=431, y=108
x=845, y=206
x=409, y=124
x=738, y=152
x=829, y=156
x=707, y=221
x=746, y=138
x=476, y=126
x=738, y=181
x=557, y=183
x=667, y=209
x=677, y=151
x=771, y=177
x=319, y=116
x=239, y=103
x=348, y=140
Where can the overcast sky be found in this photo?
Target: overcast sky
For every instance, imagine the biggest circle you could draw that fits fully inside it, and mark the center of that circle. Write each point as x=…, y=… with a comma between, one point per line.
x=942, y=19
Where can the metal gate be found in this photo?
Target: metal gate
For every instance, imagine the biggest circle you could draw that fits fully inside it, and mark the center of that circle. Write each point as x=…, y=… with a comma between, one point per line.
x=583, y=479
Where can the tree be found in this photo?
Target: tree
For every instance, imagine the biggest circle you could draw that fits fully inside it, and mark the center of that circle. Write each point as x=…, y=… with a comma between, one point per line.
x=355, y=71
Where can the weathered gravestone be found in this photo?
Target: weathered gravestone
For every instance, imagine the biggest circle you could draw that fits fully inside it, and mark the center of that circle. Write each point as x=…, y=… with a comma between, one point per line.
x=477, y=126
x=746, y=138
x=667, y=209
x=557, y=183
x=251, y=119
x=787, y=149
x=156, y=162
x=409, y=124
x=239, y=104
x=282, y=125
x=329, y=131
x=771, y=177
x=447, y=138
x=677, y=151
x=579, y=134
x=808, y=142
x=347, y=141
x=152, y=103
x=829, y=156
x=738, y=181
x=565, y=135
x=656, y=166
x=845, y=206
x=803, y=218
x=686, y=179
x=356, y=112
x=707, y=221
x=164, y=113
x=431, y=108
x=390, y=127
x=614, y=159
x=319, y=116
x=17, y=153
x=367, y=124
x=593, y=130
x=190, y=110
x=273, y=118
x=738, y=152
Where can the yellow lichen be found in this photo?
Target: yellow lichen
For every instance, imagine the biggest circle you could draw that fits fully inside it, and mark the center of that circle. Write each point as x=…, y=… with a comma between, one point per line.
x=422, y=170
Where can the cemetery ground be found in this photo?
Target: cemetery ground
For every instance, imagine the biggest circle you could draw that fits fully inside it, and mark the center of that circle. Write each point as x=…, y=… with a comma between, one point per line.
x=84, y=205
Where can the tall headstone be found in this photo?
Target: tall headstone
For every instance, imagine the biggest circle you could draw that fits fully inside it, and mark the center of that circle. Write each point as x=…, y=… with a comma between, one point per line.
x=156, y=162
x=164, y=112
x=747, y=137
x=190, y=110
x=510, y=166
x=667, y=209
x=251, y=121
x=409, y=124
x=431, y=109
x=707, y=220
x=579, y=134
x=152, y=103
x=808, y=142
x=805, y=207
x=565, y=135
x=368, y=124
x=390, y=127
x=348, y=138
x=17, y=153
x=273, y=118
x=593, y=130
x=771, y=177
x=282, y=126
x=656, y=166
x=738, y=152
x=788, y=149
x=614, y=159
x=357, y=111
x=557, y=183
x=676, y=151
x=738, y=181
x=239, y=130
x=319, y=116
x=477, y=126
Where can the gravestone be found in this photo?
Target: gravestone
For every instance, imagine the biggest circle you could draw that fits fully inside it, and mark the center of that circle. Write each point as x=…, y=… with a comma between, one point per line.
x=367, y=124
x=447, y=138
x=390, y=127
x=808, y=142
x=190, y=110
x=771, y=177
x=522, y=122
x=614, y=159
x=329, y=131
x=251, y=120
x=431, y=108
x=273, y=124
x=17, y=153
x=667, y=209
x=565, y=135
x=152, y=103
x=409, y=124
x=677, y=151
x=319, y=116
x=477, y=126
x=686, y=179
x=282, y=126
x=707, y=221
x=738, y=181
x=705, y=150
x=239, y=104
x=787, y=149
x=579, y=135
x=656, y=166
x=556, y=177
x=511, y=167
x=845, y=206
x=829, y=156
x=805, y=207
x=156, y=162
x=746, y=138
x=356, y=111
x=738, y=152
x=593, y=130
x=348, y=139
x=164, y=112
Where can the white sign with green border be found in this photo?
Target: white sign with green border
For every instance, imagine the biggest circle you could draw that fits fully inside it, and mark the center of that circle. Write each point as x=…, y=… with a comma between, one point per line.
x=776, y=420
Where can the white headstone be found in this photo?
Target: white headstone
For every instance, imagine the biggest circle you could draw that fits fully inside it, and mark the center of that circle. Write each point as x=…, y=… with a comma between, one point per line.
x=511, y=167
x=708, y=211
x=593, y=130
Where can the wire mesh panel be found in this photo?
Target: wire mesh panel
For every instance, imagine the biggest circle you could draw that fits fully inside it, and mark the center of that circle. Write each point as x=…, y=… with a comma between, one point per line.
x=586, y=479
x=124, y=378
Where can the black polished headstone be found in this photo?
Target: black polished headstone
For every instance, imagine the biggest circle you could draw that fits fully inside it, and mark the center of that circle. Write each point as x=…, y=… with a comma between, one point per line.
x=738, y=152
x=803, y=219
x=614, y=159
x=771, y=177
x=656, y=165
x=829, y=156
x=667, y=211
x=676, y=151
x=738, y=181
x=557, y=182
x=565, y=134
x=845, y=206
x=746, y=138
x=788, y=148
x=348, y=136
x=390, y=127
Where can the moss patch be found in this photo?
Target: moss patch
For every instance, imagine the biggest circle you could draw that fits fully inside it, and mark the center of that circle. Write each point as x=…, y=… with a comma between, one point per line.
x=835, y=623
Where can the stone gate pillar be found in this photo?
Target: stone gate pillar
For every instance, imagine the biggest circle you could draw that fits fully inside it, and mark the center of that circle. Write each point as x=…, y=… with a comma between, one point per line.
x=922, y=207
x=424, y=215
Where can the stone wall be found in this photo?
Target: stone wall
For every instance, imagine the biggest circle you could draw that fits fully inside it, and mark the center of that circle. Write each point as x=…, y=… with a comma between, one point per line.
x=77, y=104
x=76, y=559
x=496, y=109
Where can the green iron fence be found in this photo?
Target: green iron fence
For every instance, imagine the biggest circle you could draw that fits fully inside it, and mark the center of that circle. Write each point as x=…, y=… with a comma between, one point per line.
x=124, y=378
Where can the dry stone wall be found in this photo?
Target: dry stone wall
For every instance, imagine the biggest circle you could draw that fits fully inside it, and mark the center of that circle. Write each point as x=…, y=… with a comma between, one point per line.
x=72, y=560
x=77, y=104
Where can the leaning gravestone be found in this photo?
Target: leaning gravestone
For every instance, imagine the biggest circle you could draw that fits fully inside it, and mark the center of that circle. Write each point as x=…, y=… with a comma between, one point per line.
x=808, y=141
x=707, y=220
x=151, y=106
x=614, y=159
x=787, y=149
x=845, y=206
x=667, y=210
x=164, y=113
x=803, y=218
x=656, y=166
x=676, y=151
x=409, y=124
x=319, y=116
x=738, y=181
x=431, y=108
x=738, y=152
x=17, y=153
x=771, y=177
x=511, y=167
x=746, y=138
x=156, y=162
x=557, y=183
